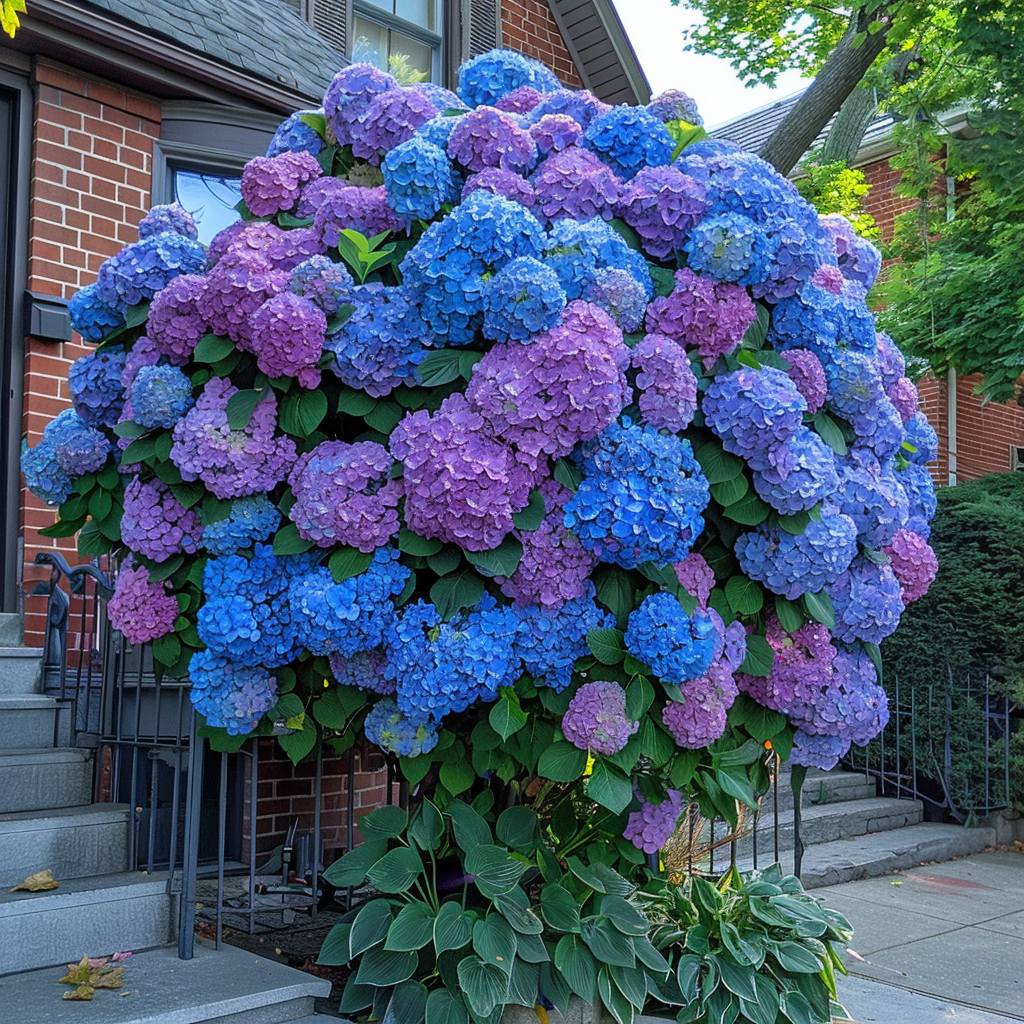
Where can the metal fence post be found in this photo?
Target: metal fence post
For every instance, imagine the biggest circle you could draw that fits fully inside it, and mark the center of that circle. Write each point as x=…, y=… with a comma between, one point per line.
x=190, y=854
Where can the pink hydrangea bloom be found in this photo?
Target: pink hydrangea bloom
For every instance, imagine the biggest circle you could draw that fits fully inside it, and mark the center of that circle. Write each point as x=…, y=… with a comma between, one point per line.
x=913, y=562
x=141, y=610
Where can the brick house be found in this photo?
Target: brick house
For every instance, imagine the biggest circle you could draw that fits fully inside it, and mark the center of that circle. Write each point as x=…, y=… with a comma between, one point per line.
x=975, y=437
x=109, y=107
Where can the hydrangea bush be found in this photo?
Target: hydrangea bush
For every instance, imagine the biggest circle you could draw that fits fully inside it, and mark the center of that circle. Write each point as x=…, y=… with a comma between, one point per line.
x=547, y=445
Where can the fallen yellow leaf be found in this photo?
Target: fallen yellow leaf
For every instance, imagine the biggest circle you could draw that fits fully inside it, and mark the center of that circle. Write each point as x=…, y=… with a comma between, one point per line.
x=41, y=881
x=83, y=992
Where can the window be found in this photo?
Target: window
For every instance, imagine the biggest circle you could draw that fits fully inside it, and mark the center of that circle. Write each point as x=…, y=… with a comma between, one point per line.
x=210, y=196
x=400, y=36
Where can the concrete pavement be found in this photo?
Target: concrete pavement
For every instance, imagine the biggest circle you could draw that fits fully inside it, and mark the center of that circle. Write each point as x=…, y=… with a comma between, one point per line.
x=953, y=933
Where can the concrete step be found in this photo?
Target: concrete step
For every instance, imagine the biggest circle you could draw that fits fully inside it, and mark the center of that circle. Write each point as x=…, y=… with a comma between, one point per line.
x=36, y=780
x=20, y=669
x=10, y=629
x=93, y=916
x=72, y=843
x=226, y=986
x=825, y=823
x=26, y=721
x=821, y=787
x=847, y=860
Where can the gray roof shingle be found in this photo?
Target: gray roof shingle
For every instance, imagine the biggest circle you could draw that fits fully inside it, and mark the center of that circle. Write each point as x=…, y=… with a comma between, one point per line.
x=265, y=38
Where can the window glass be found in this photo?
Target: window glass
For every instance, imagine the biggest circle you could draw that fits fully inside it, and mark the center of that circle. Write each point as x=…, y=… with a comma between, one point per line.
x=379, y=37
x=412, y=54
x=210, y=197
x=370, y=42
x=419, y=12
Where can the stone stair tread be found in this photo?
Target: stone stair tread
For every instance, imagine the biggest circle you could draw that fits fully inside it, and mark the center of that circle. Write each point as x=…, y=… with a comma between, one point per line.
x=21, y=652
x=864, y=805
x=78, y=891
x=63, y=817
x=26, y=701
x=161, y=989
x=43, y=755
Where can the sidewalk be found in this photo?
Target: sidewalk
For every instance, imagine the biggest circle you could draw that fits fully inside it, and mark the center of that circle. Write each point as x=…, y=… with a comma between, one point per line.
x=953, y=932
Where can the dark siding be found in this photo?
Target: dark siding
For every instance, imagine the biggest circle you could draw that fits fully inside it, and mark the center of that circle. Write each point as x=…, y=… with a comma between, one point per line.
x=481, y=26
x=331, y=20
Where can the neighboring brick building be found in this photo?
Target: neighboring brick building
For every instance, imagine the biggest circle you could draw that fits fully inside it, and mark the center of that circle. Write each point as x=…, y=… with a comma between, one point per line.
x=108, y=107
x=988, y=437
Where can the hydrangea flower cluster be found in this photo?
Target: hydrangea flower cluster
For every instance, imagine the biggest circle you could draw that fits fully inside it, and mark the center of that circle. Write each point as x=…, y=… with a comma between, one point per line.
x=486, y=461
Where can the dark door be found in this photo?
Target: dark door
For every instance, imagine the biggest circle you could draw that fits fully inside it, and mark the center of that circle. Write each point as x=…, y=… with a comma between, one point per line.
x=13, y=197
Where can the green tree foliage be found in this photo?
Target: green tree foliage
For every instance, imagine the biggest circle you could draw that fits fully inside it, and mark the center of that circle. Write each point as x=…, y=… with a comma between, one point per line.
x=9, y=11
x=836, y=188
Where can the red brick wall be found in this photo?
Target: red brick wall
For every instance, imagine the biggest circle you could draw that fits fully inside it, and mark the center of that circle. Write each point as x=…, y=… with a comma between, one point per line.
x=529, y=26
x=882, y=202
x=92, y=164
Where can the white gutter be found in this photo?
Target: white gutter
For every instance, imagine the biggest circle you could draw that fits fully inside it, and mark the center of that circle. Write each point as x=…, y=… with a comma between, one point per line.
x=951, y=379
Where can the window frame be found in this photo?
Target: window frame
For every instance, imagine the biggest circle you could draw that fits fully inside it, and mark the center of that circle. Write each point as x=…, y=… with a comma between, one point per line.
x=435, y=38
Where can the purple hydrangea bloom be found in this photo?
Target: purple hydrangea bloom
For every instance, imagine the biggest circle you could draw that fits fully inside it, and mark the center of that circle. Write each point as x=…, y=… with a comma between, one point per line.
x=288, y=334
x=519, y=101
x=524, y=298
x=579, y=104
x=175, y=324
x=241, y=237
x=564, y=387
x=391, y=118
x=807, y=373
x=231, y=295
x=493, y=75
x=231, y=463
x=574, y=183
x=317, y=192
x=620, y=295
x=143, y=268
x=711, y=316
x=350, y=93
x=675, y=645
x=596, y=718
x=169, y=217
x=701, y=717
x=91, y=316
x=651, y=827
x=291, y=248
x=461, y=485
x=675, y=105
x=629, y=139
x=155, y=524
x=364, y=669
x=160, y=396
x=293, y=135
x=867, y=601
x=891, y=364
x=94, y=381
x=663, y=205
x=141, y=610
x=554, y=133
x=914, y=563
x=791, y=566
x=752, y=410
x=729, y=247
x=142, y=353
x=230, y=696
x=501, y=183
x=799, y=473
x=381, y=344
x=859, y=260
x=696, y=577
x=249, y=521
x=667, y=385
x=344, y=495
x=642, y=497
x=419, y=179
x=362, y=209
x=829, y=278
x=903, y=395
x=486, y=137
x=555, y=567
x=324, y=283
x=388, y=728
x=823, y=752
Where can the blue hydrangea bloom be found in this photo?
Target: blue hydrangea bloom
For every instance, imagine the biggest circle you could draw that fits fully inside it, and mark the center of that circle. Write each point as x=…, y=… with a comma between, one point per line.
x=228, y=695
x=921, y=437
x=168, y=217
x=351, y=616
x=69, y=448
x=437, y=131
x=382, y=343
x=628, y=139
x=389, y=729
x=93, y=318
x=579, y=250
x=160, y=396
x=800, y=473
x=620, y=295
x=823, y=752
x=293, y=135
x=806, y=320
x=249, y=521
x=419, y=179
x=641, y=499
x=791, y=566
x=550, y=640
x=524, y=298
x=95, y=384
x=868, y=602
x=486, y=79
x=140, y=270
x=442, y=667
x=872, y=497
x=675, y=645
x=729, y=247
x=43, y=474
x=919, y=487
x=325, y=283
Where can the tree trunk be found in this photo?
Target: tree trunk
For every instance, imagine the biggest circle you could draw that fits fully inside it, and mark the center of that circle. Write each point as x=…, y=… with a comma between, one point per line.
x=847, y=132
x=841, y=73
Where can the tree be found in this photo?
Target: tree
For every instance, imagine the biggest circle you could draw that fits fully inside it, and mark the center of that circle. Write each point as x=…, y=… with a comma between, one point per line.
x=9, y=11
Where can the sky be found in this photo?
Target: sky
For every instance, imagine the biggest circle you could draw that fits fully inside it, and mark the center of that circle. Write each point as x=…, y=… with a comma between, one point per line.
x=655, y=28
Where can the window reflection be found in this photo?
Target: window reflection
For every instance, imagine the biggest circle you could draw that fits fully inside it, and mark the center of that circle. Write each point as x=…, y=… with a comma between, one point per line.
x=210, y=197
